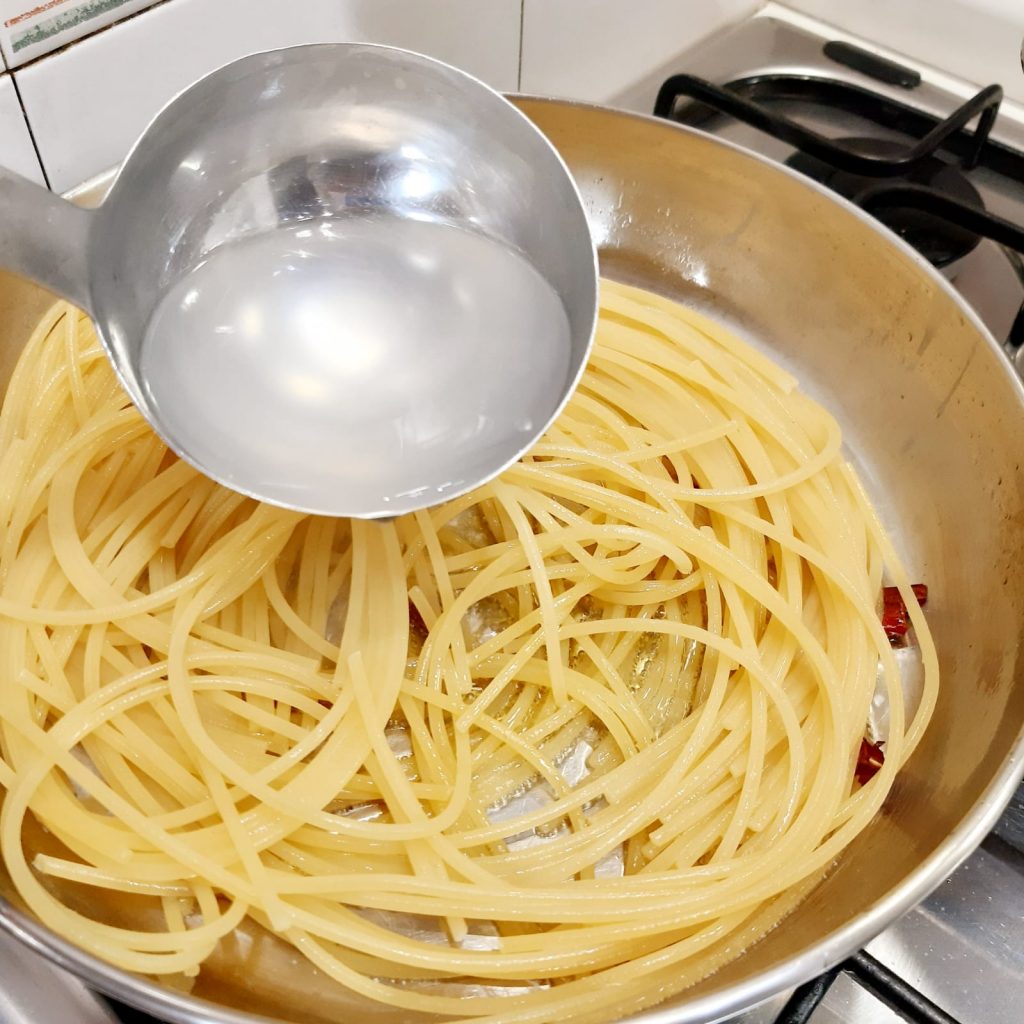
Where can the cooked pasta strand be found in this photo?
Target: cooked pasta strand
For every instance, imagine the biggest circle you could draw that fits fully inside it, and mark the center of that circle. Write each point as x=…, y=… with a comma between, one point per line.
x=554, y=750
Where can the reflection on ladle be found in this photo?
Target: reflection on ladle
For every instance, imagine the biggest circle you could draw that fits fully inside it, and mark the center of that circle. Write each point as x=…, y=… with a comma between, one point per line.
x=342, y=278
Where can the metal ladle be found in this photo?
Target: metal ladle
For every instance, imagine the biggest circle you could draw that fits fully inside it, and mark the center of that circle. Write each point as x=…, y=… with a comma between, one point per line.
x=342, y=278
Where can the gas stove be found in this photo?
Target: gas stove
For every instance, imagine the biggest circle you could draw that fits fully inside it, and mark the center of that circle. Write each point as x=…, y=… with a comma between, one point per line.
x=938, y=160
x=941, y=163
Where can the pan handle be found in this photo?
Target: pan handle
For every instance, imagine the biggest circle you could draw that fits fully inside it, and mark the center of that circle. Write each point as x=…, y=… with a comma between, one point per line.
x=45, y=238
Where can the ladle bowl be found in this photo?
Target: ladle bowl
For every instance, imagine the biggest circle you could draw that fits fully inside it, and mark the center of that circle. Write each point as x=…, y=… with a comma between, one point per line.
x=343, y=278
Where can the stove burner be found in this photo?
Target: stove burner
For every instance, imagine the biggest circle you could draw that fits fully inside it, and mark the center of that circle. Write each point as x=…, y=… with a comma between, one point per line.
x=939, y=241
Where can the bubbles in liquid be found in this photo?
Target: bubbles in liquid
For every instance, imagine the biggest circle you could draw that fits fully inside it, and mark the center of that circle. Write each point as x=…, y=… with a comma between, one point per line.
x=368, y=365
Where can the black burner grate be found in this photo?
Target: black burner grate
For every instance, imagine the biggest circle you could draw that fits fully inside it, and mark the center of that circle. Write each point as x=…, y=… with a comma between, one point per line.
x=915, y=188
x=872, y=975
x=697, y=102
x=129, y=1015
x=940, y=221
x=984, y=106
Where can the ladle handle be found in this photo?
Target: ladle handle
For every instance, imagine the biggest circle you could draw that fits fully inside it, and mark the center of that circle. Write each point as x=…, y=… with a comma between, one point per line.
x=45, y=238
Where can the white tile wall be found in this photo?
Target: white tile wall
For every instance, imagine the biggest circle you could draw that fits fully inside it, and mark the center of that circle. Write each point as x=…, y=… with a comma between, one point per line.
x=30, y=28
x=979, y=40
x=16, y=151
x=88, y=103
x=611, y=51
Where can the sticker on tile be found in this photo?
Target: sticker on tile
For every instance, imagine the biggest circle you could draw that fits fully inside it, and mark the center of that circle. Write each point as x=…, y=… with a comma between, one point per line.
x=30, y=29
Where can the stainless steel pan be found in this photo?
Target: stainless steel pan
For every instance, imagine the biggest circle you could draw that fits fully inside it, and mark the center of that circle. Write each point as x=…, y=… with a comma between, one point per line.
x=935, y=419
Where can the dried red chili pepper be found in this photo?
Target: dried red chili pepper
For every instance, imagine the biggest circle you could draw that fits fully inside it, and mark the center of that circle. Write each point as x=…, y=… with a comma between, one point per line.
x=895, y=620
x=416, y=624
x=870, y=758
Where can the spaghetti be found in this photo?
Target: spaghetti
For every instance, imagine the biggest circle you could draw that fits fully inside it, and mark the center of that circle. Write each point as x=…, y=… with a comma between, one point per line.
x=565, y=744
